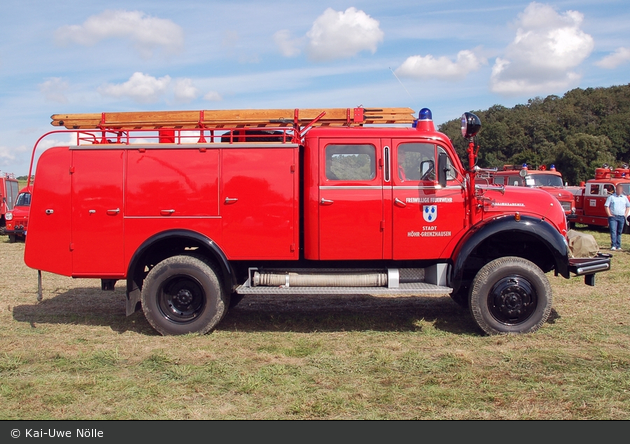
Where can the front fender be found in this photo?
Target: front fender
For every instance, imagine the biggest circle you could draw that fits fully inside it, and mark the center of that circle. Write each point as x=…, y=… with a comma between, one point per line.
x=504, y=228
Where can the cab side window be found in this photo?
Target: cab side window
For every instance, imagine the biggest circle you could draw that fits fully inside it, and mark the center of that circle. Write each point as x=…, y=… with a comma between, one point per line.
x=350, y=162
x=594, y=189
x=416, y=161
x=451, y=174
x=609, y=189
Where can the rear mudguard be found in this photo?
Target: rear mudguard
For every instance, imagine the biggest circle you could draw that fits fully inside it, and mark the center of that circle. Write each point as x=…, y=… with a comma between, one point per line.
x=206, y=245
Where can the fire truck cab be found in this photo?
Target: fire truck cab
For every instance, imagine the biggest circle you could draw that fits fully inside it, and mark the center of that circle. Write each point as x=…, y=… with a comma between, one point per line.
x=8, y=193
x=17, y=219
x=591, y=197
x=549, y=180
x=223, y=204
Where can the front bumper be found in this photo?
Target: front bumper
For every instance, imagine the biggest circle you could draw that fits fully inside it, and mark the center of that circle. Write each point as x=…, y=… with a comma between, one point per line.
x=588, y=266
x=17, y=231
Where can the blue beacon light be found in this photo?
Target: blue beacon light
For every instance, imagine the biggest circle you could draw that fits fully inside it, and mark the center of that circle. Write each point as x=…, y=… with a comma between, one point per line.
x=425, y=120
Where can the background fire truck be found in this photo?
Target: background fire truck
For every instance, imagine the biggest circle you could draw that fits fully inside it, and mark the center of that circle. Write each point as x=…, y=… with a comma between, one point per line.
x=8, y=193
x=591, y=197
x=17, y=218
x=549, y=180
x=195, y=209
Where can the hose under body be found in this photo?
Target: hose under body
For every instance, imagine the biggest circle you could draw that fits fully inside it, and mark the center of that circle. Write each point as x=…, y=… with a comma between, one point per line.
x=320, y=280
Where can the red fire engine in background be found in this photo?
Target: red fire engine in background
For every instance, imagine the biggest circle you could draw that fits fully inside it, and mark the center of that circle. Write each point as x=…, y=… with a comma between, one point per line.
x=591, y=196
x=17, y=218
x=222, y=204
x=8, y=193
x=549, y=180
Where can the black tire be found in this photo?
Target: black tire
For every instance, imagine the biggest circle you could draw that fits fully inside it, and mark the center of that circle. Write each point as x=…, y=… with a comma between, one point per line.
x=182, y=294
x=12, y=238
x=510, y=295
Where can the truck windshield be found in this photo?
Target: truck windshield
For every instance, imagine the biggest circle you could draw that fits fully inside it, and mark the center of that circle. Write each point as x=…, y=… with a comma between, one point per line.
x=23, y=200
x=544, y=181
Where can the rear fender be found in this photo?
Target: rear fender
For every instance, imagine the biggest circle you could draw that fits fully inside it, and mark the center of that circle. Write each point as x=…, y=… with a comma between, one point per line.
x=177, y=242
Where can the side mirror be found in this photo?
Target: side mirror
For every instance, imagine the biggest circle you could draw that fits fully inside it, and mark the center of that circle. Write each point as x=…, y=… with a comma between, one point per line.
x=442, y=169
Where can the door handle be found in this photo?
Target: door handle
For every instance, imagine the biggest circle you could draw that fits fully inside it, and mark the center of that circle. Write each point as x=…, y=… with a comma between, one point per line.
x=166, y=212
x=113, y=212
x=399, y=203
x=230, y=200
x=327, y=202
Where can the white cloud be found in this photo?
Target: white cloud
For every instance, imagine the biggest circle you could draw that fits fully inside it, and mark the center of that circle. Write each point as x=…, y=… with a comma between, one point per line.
x=337, y=35
x=54, y=89
x=213, y=96
x=289, y=47
x=6, y=156
x=146, y=33
x=545, y=50
x=619, y=57
x=140, y=87
x=185, y=91
x=427, y=67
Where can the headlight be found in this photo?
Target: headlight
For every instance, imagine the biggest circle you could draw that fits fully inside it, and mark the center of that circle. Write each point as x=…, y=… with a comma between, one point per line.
x=8, y=216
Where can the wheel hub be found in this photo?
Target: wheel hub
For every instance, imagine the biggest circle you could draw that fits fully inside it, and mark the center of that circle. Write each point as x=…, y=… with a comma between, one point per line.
x=181, y=299
x=512, y=300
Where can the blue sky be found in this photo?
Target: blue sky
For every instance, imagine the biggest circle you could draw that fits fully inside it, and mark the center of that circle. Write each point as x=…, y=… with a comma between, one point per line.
x=450, y=56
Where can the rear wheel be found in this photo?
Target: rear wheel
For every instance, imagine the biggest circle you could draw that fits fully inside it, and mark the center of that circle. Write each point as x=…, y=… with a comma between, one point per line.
x=182, y=294
x=510, y=295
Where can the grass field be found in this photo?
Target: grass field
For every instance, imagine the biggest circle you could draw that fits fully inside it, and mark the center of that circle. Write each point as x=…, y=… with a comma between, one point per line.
x=75, y=355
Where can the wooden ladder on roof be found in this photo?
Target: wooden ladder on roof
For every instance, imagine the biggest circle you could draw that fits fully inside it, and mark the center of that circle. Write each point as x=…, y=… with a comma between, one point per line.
x=244, y=118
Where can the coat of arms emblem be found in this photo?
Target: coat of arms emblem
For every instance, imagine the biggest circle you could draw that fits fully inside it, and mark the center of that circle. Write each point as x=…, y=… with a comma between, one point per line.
x=429, y=213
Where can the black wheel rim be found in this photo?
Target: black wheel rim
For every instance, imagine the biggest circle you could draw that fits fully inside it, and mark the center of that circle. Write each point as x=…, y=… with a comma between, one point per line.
x=512, y=300
x=181, y=299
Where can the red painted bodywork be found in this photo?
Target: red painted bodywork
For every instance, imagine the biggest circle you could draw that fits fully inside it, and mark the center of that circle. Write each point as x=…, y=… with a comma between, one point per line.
x=17, y=223
x=548, y=180
x=94, y=205
x=8, y=194
x=590, y=198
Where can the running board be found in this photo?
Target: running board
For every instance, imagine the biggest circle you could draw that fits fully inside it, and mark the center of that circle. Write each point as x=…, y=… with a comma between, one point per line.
x=409, y=281
x=411, y=289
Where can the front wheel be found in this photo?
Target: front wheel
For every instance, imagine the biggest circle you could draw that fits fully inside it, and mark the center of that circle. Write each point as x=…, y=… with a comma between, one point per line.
x=510, y=295
x=181, y=295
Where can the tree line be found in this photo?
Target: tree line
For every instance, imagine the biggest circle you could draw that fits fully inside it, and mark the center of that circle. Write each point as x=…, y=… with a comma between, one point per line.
x=578, y=132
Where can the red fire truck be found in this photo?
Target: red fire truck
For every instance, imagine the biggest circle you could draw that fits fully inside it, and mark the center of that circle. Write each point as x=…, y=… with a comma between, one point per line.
x=549, y=180
x=590, y=197
x=222, y=204
x=17, y=219
x=8, y=193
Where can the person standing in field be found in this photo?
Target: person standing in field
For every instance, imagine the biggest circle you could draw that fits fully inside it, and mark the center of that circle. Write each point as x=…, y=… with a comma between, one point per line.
x=617, y=207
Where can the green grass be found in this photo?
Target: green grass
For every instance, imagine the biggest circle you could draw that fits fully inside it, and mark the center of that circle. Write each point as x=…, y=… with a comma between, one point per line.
x=75, y=355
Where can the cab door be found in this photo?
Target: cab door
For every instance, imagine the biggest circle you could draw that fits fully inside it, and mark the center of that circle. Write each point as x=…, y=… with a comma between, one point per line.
x=351, y=221
x=426, y=216
x=97, y=212
x=595, y=198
